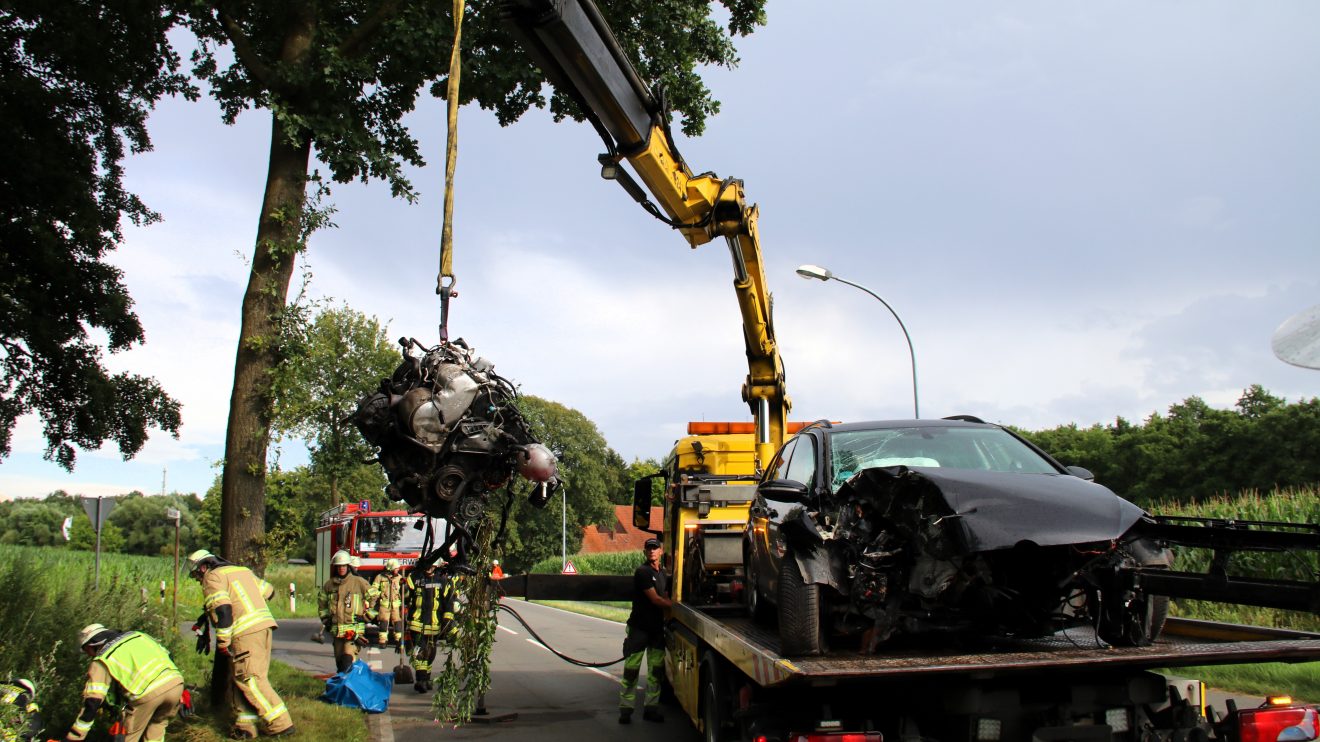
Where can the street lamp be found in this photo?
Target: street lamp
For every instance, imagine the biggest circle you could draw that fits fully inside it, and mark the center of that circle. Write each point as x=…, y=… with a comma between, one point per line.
x=823, y=274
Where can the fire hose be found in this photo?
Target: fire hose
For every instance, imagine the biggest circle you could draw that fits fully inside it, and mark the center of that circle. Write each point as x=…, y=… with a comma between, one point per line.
x=571, y=660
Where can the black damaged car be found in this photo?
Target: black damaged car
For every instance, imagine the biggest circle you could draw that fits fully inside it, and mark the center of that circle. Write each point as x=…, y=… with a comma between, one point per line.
x=864, y=533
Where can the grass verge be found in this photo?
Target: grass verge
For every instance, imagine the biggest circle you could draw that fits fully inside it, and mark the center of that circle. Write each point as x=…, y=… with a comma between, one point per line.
x=610, y=611
x=314, y=719
x=1299, y=680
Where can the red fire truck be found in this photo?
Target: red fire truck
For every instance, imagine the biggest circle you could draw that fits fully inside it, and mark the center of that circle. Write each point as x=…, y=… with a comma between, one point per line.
x=372, y=536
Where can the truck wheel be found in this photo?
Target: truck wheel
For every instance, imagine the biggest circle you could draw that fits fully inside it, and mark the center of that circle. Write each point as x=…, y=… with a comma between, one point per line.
x=801, y=631
x=712, y=713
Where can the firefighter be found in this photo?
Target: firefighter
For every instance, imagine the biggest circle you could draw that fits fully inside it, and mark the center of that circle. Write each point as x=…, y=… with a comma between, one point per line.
x=23, y=724
x=433, y=603
x=235, y=602
x=130, y=667
x=345, y=605
x=388, y=587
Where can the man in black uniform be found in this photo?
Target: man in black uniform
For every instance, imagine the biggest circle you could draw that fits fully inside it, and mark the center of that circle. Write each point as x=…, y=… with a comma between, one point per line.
x=645, y=635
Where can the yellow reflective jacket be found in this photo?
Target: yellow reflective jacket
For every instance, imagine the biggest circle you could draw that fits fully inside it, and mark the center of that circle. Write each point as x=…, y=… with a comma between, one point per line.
x=245, y=594
x=432, y=604
x=345, y=604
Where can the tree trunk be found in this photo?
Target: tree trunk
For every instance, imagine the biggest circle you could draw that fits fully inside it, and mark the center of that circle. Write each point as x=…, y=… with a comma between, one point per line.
x=243, y=485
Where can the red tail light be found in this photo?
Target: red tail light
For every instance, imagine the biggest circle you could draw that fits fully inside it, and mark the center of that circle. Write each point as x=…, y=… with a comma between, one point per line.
x=1279, y=724
x=845, y=737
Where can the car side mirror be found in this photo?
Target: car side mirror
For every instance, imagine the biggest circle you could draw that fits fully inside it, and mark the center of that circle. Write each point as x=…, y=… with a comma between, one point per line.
x=783, y=490
x=1081, y=472
x=642, y=503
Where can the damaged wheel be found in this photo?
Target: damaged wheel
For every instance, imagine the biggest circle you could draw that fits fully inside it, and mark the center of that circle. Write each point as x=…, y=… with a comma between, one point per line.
x=1136, y=624
x=801, y=630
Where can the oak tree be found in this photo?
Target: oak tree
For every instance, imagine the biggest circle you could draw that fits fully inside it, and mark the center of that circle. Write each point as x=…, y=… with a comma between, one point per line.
x=337, y=79
x=77, y=80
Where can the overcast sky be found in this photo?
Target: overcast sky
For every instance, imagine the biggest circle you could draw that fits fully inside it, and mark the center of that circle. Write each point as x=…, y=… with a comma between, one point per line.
x=1080, y=211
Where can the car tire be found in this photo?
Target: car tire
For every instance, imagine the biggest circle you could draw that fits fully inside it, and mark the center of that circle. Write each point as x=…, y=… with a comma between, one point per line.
x=1137, y=624
x=801, y=630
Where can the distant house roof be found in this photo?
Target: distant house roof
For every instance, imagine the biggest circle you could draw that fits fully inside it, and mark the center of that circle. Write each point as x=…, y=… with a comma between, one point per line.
x=619, y=536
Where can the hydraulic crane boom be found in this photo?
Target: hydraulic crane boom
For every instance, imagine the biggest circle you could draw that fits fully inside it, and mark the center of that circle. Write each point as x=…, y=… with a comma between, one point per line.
x=573, y=45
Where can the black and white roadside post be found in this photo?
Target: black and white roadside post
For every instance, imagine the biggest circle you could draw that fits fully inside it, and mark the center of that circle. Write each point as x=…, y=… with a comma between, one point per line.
x=98, y=510
x=176, y=515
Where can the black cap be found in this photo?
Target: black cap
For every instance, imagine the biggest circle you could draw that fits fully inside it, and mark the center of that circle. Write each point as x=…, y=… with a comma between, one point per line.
x=652, y=543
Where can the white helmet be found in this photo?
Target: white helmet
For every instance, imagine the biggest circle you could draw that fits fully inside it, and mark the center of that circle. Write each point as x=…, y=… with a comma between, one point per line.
x=26, y=685
x=355, y=562
x=89, y=633
x=197, y=559
x=341, y=557
x=391, y=564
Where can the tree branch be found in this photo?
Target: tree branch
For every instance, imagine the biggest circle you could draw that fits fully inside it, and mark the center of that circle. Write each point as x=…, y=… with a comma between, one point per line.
x=244, y=51
x=367, y=28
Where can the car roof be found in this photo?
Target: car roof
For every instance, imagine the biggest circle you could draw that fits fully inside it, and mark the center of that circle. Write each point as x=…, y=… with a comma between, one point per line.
x=893, y=424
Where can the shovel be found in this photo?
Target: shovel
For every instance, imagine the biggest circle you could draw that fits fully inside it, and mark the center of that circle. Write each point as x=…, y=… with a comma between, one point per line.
x=403, y=672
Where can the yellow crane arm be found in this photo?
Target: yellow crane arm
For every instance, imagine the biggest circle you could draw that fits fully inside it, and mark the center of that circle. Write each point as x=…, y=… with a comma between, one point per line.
x=575, y=48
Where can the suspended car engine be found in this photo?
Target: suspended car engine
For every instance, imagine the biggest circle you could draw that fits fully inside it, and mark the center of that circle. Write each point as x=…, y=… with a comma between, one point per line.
x=450, y=434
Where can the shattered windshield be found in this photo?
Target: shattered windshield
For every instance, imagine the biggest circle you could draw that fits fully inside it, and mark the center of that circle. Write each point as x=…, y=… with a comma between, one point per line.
x=984, y=449
x=392, y=533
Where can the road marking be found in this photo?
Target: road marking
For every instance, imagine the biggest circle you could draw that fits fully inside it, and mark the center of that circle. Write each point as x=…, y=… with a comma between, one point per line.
x=596, y=670
x=503, y=628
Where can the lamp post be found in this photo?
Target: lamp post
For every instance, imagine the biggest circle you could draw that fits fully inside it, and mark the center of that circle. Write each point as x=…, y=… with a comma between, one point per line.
x=823, y=274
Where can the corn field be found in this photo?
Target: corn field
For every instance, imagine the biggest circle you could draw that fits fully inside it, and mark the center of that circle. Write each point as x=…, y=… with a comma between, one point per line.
x=1290, y=505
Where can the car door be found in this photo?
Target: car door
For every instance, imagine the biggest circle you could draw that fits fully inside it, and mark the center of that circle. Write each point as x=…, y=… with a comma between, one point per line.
x=801, y=468
x=758, y=526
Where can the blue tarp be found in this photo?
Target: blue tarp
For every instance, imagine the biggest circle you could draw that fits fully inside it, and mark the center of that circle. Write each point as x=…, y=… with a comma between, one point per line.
x=360, y=688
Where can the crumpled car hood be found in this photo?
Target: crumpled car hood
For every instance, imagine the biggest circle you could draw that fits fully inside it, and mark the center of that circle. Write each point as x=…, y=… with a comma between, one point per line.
x=998, y=510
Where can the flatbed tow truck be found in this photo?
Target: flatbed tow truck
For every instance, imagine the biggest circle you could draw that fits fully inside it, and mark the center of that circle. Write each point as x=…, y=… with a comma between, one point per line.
x=725, y=670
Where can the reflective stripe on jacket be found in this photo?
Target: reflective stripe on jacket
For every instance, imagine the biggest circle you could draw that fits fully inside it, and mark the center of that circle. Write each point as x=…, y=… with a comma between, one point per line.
x=345, y=603
x=136, y=663
x=245, y=593
x=389, y=592
x=433, y=603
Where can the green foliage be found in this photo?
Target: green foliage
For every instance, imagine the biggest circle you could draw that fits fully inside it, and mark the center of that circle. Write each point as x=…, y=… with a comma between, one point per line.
x=465, y=675
x=49, y=597
x=1195, y=451
x=591, y=473
x=611, y=563
x=146, y=529
x=77, y=80
x=82, y=537
x=331, y=361
x=1294, y=505
x=636, y=470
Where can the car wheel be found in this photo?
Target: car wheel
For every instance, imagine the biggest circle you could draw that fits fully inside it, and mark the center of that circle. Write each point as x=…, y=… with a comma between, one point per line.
x=1136, y=624
x=801, y=631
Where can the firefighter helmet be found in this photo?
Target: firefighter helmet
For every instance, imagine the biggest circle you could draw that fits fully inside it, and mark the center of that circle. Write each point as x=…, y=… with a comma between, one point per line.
x=26, y=685
x=198, y=558
x=355, y=562
x=89, y=632
x=341, y=557
x=391, y=564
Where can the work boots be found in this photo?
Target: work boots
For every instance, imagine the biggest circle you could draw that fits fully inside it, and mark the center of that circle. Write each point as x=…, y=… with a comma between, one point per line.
x=625, y=715
x=423, y=683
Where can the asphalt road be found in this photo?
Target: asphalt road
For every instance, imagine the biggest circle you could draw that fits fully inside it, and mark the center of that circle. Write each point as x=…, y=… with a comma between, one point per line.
x=553, y=700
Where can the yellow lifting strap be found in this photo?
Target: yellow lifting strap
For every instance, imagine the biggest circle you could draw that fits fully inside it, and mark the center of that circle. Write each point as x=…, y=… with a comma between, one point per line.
x=446, y=290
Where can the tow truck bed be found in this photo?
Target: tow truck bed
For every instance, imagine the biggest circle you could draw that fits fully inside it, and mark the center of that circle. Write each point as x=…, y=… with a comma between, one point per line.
x=755, y=650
